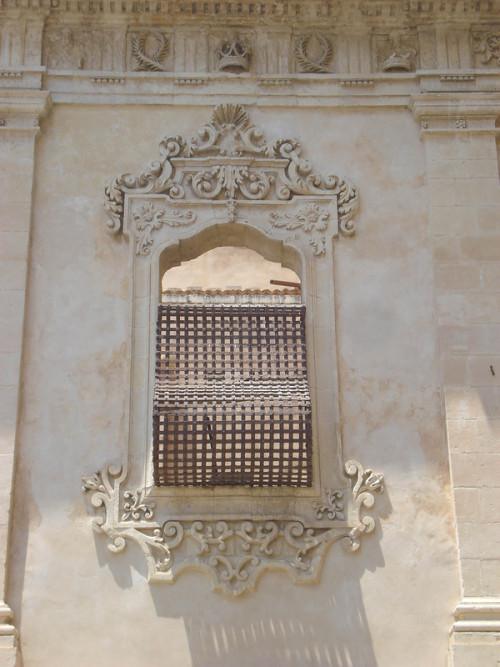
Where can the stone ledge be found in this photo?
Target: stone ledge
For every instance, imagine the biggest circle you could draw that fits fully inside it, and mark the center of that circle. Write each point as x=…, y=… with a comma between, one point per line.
x=477, y=615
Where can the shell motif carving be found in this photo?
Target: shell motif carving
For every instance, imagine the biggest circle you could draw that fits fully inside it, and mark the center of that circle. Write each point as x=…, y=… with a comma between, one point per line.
x=241, y=165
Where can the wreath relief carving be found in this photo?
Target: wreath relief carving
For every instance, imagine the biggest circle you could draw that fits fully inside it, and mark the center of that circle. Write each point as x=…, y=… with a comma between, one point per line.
x=314, y=53
x=149, y=51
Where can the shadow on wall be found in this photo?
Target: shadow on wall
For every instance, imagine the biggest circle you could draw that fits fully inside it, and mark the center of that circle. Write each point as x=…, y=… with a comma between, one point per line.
x=278, y=625
x=281, y=624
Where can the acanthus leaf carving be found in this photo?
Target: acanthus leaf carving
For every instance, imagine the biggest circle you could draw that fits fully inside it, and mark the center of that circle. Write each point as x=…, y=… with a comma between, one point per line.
x=150, y=218
x=230, y=160
x=234, y=552
x=105, y=487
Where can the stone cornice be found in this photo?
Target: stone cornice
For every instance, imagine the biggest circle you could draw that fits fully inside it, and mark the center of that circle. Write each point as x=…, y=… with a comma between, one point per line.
x=347, y=12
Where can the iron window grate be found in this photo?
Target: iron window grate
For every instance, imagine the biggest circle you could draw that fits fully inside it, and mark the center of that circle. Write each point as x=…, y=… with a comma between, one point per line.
x=231, y=401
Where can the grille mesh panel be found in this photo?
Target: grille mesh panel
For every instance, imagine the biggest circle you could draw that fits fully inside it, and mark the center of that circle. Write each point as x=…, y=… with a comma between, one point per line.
x=231, y=403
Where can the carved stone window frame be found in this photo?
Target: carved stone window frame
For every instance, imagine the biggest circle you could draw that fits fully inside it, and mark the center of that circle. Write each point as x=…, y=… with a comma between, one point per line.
x=229, y=186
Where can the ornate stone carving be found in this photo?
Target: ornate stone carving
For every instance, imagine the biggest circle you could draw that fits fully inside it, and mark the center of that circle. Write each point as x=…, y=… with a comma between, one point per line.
x=229, y=160
x=150, y=218
x=73, y=48
x=489, y=46
x=332, y=508
x=312, y=219
x=233, y=55
x=233, y=552
x=314, y=53
x=149, y=50
x=399, y=56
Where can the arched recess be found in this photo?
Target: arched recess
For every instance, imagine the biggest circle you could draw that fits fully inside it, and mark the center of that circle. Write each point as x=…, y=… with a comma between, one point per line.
x=286, y=254
x=228, y=186
x=239, y=236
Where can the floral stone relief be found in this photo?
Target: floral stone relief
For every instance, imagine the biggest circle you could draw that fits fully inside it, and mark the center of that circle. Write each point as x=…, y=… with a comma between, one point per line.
x=229, y=161
x=234, y=552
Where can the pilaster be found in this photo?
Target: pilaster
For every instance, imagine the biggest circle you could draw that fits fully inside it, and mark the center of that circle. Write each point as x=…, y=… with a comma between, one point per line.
x=20, y=112
x=460, y=134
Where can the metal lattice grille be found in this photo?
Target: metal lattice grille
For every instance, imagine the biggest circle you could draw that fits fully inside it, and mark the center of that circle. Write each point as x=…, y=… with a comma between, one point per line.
x=231, y=403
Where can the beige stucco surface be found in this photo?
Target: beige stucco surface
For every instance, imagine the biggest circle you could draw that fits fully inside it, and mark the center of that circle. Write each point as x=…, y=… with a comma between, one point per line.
x=391, y=603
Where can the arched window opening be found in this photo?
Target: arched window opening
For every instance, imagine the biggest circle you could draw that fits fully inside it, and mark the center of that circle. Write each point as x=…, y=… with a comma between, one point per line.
x=231, y=401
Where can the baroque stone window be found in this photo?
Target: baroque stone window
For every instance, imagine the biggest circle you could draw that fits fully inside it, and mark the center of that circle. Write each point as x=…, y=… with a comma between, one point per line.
x=229, y=186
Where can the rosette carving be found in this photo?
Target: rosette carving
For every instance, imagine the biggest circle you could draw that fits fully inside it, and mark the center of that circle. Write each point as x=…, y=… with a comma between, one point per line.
x=229, y=160
x=234, y=552
x=312, y=219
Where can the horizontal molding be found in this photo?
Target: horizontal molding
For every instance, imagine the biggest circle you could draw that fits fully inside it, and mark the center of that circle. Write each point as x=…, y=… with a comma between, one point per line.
x=348, y=11
x=477, y=615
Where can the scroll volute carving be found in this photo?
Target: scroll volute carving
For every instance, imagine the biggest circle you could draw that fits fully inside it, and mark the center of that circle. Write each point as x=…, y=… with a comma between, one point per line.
x=229, y=160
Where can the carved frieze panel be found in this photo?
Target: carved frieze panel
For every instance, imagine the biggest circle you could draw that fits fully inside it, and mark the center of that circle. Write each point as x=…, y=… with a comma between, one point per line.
x=231, y=51
x=396, y=52
x=79, y=48
x=314, y=53
x=149, y=50
x=233, y=55
x=487, y=48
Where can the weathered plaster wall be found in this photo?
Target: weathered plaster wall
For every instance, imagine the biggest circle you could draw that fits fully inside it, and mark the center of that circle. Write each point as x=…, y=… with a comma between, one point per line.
x=73, y=598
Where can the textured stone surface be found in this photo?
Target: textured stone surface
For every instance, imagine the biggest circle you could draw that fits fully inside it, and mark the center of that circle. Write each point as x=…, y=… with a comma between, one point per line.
x=417, y=334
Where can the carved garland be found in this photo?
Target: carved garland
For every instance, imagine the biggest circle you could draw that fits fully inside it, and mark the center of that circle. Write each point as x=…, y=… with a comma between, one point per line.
x=227, y=139
x=233, y=552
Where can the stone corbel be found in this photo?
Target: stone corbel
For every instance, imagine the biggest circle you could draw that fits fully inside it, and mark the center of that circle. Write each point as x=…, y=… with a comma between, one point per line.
x=447, y=113
x=233, y=552
x=22, y=110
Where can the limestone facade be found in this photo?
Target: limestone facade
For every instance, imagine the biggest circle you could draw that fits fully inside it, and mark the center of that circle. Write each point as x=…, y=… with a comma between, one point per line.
x=210, y=124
